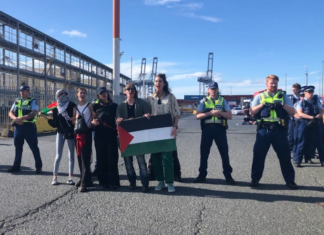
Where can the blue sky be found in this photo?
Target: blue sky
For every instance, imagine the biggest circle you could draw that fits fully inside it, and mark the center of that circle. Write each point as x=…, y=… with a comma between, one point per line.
x=250, y=39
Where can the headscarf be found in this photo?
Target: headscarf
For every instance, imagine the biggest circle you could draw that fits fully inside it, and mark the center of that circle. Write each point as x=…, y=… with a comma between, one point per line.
x=62, y=103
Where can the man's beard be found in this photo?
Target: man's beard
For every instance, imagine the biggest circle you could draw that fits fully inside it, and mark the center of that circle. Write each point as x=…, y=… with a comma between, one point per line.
x=273, y=89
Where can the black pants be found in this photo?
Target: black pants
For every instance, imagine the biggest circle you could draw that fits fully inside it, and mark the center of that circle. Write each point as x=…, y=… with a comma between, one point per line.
x=84, y=161
x=176, y=165
x=107, y=157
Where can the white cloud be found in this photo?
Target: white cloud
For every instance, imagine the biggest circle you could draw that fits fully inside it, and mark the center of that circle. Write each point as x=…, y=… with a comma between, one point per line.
x=192, y=6
x=207, y=18
x=314, y=72
x=51, y=30
x=160, y=2
x=75, y=33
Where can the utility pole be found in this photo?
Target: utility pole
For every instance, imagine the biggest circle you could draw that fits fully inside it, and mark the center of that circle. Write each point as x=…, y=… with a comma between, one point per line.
x=131, y=67
x=307, y=75
x=322, y=76
x=286, y=82
x=116, y=50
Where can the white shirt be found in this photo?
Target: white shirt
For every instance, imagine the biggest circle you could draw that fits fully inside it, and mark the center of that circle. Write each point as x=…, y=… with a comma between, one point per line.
x=86, y=113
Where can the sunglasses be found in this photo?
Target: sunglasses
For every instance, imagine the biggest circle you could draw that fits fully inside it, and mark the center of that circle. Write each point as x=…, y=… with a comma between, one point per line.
x=130, y=89
x=310, y=91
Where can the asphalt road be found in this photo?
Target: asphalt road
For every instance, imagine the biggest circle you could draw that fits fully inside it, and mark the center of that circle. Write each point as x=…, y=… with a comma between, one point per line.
x=31, y=205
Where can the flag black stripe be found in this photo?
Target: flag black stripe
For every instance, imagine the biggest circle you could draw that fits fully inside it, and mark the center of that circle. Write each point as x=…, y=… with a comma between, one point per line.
x=142, y=123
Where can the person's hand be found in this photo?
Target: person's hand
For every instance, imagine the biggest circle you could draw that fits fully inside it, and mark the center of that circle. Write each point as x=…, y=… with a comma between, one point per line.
x=147, y=115
x=95, y=122
x=276, y=106
x=18, y=121
x=215, y=113
x=119, y=120
x=174, y=132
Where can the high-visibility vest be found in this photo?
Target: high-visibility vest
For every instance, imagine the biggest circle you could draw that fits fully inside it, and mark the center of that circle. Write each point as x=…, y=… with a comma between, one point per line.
x=266, y=98
x=217, y=105
x=23, y=107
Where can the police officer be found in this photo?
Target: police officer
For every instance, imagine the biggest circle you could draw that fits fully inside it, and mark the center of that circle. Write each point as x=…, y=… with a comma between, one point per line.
x=299, y=129
x=294, y=98
x=310, y=110
x=272, y=108
x=213, y=111
x=23, y=112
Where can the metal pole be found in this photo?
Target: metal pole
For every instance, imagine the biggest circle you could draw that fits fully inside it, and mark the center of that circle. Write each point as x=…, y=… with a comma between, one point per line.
x=18, y=62
x=286, y=82
x=116, y=49
x=131, y=68
x=322, y=76
x=307, y=75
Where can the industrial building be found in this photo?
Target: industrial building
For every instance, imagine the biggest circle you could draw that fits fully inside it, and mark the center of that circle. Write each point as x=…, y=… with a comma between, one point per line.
x=28, y=56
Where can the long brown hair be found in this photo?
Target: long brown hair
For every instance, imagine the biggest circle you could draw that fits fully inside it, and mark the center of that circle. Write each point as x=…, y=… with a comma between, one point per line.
x=131, y=85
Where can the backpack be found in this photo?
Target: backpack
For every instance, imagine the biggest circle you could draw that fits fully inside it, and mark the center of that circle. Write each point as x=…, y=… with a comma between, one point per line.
x=80, y=124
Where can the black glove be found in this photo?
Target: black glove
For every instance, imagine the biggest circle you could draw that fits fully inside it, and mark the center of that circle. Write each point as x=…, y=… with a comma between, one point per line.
x=276, y=106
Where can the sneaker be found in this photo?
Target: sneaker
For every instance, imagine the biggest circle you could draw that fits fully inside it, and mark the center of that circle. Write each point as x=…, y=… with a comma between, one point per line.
x=171, y=188
x=70, y=181
x=160, y=186
x=13, y=169
x=54, y=181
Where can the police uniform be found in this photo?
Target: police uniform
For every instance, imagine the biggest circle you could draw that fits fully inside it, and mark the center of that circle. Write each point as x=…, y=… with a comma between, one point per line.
x=299, y=138
x=214, y=129
x=313, y=136
x=272, y=119
x=27, y=131
x=292, y=121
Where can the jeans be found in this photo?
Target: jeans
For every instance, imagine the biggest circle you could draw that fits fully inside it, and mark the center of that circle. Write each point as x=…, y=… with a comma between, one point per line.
x=131, y=172
x=59, y=149
x=26, y=132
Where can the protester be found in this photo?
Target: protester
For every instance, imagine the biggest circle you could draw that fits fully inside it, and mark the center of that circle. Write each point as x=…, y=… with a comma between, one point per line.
x=106, y=140
x=84, y=141
x=214, y=112
x=63, y=120
x=272, y=109
x=162, y=102
x=133, y=107
x=23, y=113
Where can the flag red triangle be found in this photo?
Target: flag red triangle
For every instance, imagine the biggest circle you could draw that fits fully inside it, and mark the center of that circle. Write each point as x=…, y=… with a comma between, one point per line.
x=124, y=138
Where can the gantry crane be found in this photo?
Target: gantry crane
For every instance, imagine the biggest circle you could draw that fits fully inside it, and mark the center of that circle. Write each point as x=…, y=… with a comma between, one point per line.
x=208, y=76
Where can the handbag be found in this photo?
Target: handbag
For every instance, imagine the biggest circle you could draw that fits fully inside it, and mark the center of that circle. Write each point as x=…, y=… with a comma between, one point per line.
x=80, y=124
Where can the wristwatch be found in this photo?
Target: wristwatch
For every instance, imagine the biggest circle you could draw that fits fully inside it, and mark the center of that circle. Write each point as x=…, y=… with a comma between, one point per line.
x=176, y=126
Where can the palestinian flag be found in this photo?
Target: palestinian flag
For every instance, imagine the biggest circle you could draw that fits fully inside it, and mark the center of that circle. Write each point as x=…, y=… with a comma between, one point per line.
x=49, y=108
x=142, y=136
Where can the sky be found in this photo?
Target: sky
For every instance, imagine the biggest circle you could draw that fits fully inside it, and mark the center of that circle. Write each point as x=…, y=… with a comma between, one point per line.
x=249, y=39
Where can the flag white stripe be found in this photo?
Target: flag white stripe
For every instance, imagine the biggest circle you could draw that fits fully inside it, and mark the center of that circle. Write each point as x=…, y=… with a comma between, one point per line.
x=151, y=135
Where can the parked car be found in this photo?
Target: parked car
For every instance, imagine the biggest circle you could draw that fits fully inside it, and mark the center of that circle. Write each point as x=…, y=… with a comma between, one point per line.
x=237, y=111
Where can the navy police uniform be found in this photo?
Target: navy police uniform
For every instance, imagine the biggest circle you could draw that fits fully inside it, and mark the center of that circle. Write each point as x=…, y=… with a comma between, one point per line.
x=214, y=129
x=272, y=119
x=27, y=131
x=312, y=133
